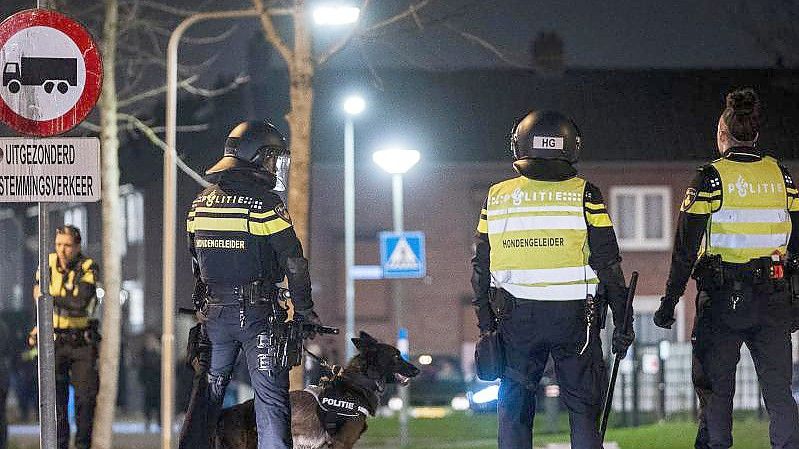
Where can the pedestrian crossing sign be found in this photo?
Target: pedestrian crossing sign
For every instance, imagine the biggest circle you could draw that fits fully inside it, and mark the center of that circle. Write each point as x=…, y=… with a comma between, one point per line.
x=402, y=255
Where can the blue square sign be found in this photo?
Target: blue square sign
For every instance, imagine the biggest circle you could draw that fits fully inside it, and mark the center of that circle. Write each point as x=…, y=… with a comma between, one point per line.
x=402, y=255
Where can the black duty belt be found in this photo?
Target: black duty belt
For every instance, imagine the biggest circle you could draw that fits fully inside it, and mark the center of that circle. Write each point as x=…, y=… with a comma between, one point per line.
x=756, y=271
x=254, y=293
x=73, y=336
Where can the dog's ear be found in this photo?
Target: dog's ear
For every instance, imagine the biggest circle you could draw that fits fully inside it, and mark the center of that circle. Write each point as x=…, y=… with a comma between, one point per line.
x=363, y=341
x=368, y=338
x=360, y=345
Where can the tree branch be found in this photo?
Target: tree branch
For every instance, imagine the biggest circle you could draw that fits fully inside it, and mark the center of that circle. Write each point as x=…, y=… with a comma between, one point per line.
x=159, y=6
x=208, y=93
x=271, y=33
x=410, y=12
x=487, y=45
x=183, y=128
x=153, y=137
x=153, y=92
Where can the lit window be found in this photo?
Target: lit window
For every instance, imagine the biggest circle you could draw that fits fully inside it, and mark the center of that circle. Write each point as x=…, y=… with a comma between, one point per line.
x=76, y=216
x=642, y=217
x=134, y=209
x=131, y=218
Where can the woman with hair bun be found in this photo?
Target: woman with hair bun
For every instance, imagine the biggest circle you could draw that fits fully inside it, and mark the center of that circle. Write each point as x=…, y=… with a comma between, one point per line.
x=741, y=217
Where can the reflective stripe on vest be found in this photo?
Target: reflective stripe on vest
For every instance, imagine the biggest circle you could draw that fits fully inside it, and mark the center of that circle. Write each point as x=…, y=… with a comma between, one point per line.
x=539, y=239
x=753, y=220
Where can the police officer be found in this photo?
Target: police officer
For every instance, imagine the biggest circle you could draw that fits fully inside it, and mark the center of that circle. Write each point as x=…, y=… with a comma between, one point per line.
x=73, y=286
x=243, y=243
x=745, y=207
x=544, y=243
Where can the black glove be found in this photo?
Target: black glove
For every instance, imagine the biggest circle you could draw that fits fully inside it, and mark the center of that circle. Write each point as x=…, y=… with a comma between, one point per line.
x=486, y=320
x=622, y=341
x=664, y=316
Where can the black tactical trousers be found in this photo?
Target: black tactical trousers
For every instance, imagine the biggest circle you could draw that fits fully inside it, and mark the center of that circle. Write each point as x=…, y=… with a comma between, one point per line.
x=76, y=364
x=717, y=340
x=534, y=331
x=3, y=396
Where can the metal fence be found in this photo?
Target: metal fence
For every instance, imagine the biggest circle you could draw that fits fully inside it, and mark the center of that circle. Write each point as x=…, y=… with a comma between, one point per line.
x=656, y=380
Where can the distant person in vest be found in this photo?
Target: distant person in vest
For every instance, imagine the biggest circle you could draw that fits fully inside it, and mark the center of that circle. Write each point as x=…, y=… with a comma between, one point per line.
x=73, y=284
x=544, y=243
x=741, y=217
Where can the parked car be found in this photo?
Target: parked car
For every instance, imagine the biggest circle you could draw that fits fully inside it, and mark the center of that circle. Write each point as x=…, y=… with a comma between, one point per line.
x=440, y=379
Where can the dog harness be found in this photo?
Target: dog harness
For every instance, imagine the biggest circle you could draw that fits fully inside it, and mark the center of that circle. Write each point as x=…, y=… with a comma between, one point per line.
x=343, y=399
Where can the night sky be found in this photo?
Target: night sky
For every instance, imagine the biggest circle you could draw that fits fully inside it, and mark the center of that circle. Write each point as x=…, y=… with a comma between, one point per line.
x=618, y=34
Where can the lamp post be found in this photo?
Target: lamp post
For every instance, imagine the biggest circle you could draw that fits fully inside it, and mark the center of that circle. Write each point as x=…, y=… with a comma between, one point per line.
x=353, y=106
x=397, y=162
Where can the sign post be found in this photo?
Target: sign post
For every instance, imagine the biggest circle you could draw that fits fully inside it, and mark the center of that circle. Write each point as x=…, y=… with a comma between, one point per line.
x=51, y=79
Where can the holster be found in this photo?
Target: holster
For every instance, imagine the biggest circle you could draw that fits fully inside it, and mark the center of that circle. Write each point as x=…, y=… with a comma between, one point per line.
x=707, y=273
x=489, y=357
x=502, y=303
x=281, y=345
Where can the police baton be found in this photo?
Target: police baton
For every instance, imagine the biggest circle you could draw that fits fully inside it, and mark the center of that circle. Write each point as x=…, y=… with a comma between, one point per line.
x=628, y=311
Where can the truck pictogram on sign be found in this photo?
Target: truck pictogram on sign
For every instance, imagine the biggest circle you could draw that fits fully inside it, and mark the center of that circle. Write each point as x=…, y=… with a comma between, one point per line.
x=46, y=72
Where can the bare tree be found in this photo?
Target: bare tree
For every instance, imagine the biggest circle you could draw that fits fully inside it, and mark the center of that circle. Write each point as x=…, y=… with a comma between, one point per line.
x=109, y=348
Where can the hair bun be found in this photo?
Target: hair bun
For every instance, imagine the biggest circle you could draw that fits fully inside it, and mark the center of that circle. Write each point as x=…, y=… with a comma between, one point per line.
x=743, y=101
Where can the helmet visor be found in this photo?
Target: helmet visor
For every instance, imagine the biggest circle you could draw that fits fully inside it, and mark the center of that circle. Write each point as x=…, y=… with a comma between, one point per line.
x=277, y=163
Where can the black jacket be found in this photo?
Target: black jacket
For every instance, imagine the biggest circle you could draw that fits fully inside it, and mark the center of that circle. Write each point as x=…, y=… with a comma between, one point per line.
x=240, y=232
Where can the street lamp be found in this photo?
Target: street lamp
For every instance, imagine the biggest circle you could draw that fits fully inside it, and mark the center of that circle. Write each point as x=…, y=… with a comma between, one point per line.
x=353, y=105
x=397, y=162
x=336, y=15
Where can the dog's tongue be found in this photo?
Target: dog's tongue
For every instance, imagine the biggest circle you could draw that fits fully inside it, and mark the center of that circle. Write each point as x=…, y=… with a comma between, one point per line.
x=402, y=380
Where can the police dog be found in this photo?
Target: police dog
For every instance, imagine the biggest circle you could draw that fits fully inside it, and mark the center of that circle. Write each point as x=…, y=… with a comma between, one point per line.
x=313, y=426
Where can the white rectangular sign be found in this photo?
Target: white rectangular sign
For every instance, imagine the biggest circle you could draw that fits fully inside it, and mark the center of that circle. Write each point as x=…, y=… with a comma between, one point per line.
x=53, y=170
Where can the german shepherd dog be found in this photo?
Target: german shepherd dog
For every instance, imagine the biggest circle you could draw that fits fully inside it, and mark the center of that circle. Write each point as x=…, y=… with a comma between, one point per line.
x=363, y=380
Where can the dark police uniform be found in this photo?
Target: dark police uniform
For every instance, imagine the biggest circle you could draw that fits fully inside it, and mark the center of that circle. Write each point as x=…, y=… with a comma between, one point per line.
x=74, y=297
x=746, y=207
x=544, y=244
x=243, y=242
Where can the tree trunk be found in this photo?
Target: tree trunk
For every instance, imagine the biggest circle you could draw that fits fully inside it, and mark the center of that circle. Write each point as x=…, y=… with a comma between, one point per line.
x=301, y=72
x=111, y=271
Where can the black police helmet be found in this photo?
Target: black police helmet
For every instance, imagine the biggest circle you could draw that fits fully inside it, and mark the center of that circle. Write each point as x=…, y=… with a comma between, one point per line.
x=545, y=135
x=249, y=144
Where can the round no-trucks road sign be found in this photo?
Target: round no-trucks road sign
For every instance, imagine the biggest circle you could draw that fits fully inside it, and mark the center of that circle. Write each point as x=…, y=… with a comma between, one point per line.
x=51, y=72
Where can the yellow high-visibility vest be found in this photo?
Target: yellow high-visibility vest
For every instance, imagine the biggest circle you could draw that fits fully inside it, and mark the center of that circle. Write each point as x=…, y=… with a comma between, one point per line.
x=66, y=283
x=538, y=235
x=753, y=220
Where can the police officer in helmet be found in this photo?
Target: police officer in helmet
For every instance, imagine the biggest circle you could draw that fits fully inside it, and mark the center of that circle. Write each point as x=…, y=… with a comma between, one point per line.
x=242, y=243
x=744, y=206
x=544, y=243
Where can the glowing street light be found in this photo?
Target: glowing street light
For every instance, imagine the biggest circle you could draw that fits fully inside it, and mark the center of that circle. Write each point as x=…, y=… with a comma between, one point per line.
x=396, y=161
x=336, y=15
x=354, y=105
